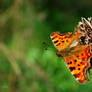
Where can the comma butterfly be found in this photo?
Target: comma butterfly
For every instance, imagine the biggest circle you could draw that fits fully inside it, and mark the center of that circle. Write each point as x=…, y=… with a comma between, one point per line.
x=75, y=53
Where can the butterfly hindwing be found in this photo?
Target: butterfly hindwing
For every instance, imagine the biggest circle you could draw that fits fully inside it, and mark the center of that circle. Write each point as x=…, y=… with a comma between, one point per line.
x=78, y=63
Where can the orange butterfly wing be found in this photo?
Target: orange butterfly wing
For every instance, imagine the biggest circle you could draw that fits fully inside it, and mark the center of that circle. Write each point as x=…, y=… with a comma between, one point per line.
x=62, y=41
x=78, y=62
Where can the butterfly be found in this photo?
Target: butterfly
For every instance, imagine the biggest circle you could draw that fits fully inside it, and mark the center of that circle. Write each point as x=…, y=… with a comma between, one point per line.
x=75, y=53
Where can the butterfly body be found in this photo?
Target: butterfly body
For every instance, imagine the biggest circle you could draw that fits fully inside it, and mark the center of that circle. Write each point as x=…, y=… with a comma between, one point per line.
x=76, y=55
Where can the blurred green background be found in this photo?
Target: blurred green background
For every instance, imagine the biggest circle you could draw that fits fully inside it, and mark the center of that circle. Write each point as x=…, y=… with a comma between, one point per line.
x=28, y=61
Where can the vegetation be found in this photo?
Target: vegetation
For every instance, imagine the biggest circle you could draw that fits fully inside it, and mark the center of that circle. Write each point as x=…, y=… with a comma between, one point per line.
x=28, y=62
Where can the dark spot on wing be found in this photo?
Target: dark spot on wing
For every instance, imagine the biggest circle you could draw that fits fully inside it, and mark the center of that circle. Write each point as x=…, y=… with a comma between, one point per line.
x=62, y=41
x=77, y=56
x=75, y=75
x=61, y=34
x=72, y=68
x=82, y=54
x=75, y=60
x=82, y=62
x=56, y=41
x=57, y=44
x=70, y=62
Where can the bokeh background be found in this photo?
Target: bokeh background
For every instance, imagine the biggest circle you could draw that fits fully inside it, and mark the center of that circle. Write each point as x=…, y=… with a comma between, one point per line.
x=28, y=61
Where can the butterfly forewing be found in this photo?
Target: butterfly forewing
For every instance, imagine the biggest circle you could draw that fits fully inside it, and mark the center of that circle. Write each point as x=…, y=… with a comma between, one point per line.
x=60, y=41
x=63, y=41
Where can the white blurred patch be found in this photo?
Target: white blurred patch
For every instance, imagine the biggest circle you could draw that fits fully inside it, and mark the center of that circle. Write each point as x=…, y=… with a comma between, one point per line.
x=74, y=43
